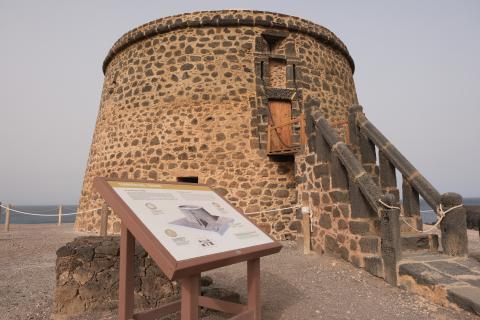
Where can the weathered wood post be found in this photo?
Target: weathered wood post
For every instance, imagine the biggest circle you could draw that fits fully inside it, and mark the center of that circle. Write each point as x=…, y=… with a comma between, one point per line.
x=390, y=235
x=454, y=225
x=60, y=209
x=306, y=229
x=104, y=220
x=7, y=218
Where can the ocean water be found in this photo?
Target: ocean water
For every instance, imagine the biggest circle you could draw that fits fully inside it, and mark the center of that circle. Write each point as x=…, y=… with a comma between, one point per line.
x=428, y=217
x=17, y=218
x=431, y=217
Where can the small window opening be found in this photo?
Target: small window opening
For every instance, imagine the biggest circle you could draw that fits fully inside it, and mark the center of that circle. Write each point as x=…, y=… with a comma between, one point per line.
x=294, y=73
x=188, y=179
x=261, y=70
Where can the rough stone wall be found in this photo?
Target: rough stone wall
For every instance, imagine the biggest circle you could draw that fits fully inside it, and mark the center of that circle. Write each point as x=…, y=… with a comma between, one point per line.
x=277, y=74
x=87, y=278
x=343, y=222
x=181, y=97
x=326, y=80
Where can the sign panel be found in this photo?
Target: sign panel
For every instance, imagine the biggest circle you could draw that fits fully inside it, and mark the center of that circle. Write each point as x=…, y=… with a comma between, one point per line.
x=190, y=221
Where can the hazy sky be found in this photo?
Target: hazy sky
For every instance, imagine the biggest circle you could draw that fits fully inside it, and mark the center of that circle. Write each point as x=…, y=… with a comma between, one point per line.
x=417, y=76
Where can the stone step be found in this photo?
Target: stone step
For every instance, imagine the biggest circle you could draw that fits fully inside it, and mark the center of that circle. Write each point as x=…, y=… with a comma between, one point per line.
x=448, y=281
x=419, y=241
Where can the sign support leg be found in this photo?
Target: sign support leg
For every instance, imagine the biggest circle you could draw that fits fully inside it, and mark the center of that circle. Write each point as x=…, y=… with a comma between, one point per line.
x=127, y=251
x=190, y=290
x=253, y=284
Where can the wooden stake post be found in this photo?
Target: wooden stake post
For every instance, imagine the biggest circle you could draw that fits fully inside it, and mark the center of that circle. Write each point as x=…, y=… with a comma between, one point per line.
x=187, y=271
x=60, y=212
x=104, y=220
x=7, y=218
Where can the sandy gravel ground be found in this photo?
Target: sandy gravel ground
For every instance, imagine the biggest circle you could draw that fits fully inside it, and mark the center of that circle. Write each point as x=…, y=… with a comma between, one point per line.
x=27, y=268
x=295, y=286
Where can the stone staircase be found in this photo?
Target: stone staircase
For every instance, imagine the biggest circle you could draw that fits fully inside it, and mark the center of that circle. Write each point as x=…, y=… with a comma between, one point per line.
x=433, y=265
x=451, y=281
x=418, y=243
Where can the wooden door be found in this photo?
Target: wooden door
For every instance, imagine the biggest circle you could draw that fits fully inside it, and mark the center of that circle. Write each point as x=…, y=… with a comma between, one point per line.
x=280, y=125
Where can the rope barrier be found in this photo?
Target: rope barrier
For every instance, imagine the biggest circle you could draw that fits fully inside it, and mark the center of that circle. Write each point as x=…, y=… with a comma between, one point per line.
x=46, y=215
x=73, y=213
x=440, y=212
x=271, y=210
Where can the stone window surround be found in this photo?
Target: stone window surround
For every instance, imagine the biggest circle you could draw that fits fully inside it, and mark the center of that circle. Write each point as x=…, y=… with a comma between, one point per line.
x=264, y=92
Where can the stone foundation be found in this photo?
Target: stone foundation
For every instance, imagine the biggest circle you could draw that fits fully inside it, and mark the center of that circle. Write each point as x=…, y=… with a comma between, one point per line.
x=87, y=278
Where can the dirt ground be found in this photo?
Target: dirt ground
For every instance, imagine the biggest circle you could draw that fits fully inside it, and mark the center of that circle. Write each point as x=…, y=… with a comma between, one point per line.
x=294, y=286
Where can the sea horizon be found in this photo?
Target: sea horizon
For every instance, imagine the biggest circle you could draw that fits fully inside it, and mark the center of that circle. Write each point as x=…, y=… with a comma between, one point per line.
x=17, y=218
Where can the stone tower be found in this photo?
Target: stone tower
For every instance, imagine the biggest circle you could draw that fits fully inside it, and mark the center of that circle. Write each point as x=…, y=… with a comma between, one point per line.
x=219, y=97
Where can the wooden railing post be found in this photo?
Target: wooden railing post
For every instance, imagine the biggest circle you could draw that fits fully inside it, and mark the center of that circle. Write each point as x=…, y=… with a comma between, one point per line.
x=390, y=235
x=454, y=225
x=104, y=220
x=60, y=210
x=306, y=230
x=7, y=218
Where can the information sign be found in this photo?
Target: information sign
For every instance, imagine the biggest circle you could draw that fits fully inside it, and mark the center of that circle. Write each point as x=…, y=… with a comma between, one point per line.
x=186, y=229
x=190, y=221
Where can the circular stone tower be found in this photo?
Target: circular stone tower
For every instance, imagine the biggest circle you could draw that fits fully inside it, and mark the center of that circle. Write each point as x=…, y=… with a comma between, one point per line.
x=218, y=97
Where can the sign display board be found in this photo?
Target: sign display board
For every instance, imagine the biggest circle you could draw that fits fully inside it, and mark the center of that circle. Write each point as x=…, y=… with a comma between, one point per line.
x=186, y=229
x=190, y=221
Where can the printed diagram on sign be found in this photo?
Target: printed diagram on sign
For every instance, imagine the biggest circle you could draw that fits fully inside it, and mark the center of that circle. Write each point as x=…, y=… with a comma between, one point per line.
x=199, y=218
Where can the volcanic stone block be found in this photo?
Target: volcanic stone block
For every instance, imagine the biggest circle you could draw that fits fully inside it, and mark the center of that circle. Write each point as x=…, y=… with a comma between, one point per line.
x=369, y=244
x=411, y=200
x=338, y=173
x=423, y=274
x=454, y=226
x=325, y=221
x=390, y=238
x=452, y=268
x=367, y=149
x=322, y=149
x=473, y=217
x=359, y=227
x=466, y=297
x=388, y=177
x=374, y=265
x=416, y=242
x=321, y=170
x=339, y=196
x=360, y=207
x=331, y=244
x=87, y=277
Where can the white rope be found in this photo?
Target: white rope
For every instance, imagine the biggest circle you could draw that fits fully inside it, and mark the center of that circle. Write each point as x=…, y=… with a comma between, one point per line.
x=46, y=215
x=387, y=205
x=271, y=210
x=73, y=213
x=440, y=212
